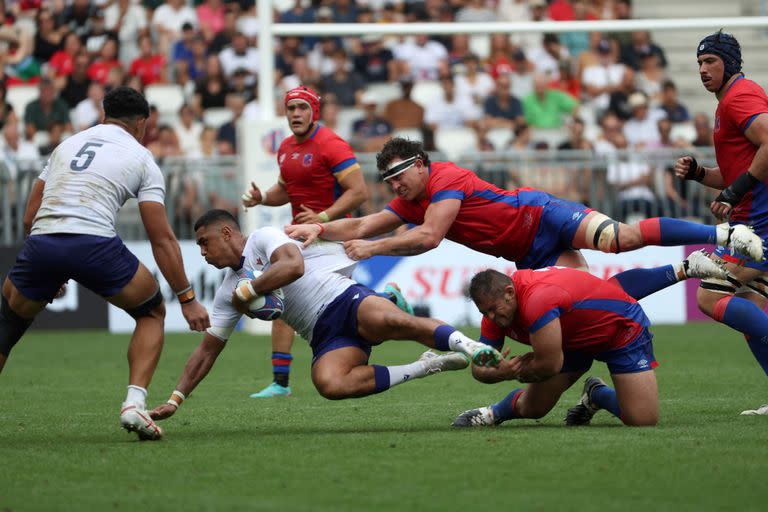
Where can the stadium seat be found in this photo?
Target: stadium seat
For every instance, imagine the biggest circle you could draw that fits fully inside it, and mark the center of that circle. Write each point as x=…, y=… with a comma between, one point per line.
x=215, y=117
x=500, y=138
x=685, y=131
x=19, y=96
x=345, y=118
x=425, y=92
x=455, y=141
x=384, y=92
x=553, y=137
x=168, y=98
x=409, y=133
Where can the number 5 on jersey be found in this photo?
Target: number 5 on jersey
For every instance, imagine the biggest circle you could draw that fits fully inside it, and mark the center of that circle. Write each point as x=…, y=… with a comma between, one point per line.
x=79, y=165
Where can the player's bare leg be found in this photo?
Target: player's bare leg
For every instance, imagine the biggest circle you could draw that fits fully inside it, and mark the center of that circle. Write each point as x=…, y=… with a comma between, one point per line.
x=638, y=396
x=600, y=232
x=16, y=315
x=379, y=320
x=533, y=402
x=282, y=342
x=140, y=298
x=345, y=373
x=572, y=259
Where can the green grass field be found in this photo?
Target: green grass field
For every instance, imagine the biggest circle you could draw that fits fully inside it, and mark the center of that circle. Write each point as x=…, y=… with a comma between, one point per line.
x=61, y=447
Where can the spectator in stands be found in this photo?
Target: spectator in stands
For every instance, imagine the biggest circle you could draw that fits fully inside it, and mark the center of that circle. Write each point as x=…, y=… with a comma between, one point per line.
x=348, y=86
x=421, y=59
x=227, y=136
x=521, y=75
x=223, y=37
x=639, y=46
x=370, y=132
x=107, y=60
x=503, y=110
x=619, y=98
x=210, y=17
x=240, y=56
x=576, y=139
x=676, y=191
x=329, y=117
x=97, y=34
x=458, y=48
x=76, y=84
x=63, y=61
x=473, y=82
x=300, y=74
x=577, y=42
x=704, y=134
x=670, y=104
x=48, y=36
x=650, y=77
x=289, y=50
x=115, y=78
x=7, y=115
x=14, y=148
x=631, y=177
x=600, y=80
x=129, y=21
x=545, y=107
x=166, y=145
x=320, y=59
x=450, y=111
x=211, y=89
x=148, y=66
x=513, y=10
x=372, y=60
x=299, y=13
x=642, y=129
x=188, y=131
x=168, y=21
x=500, y=55
x=591, y=56
x=475, y=11
x=546, y=58
x=76, y=17
x=537, y=12
x=344, y=11
x=568, y=81
x=404, y=113
x=622, y=10
x=207, y=146
x=152, y=132
x=46, y=111
x=183, y=48
x=238, y=84
x=89, y=111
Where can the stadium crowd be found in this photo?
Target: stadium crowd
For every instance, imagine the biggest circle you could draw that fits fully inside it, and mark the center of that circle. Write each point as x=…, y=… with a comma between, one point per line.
x=500, y=92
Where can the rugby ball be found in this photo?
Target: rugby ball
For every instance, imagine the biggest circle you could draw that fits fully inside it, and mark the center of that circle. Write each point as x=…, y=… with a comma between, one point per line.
x=264, y=307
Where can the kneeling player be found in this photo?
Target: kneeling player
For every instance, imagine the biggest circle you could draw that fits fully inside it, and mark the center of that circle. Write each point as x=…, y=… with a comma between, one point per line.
x=341, y=318
x=571, y=318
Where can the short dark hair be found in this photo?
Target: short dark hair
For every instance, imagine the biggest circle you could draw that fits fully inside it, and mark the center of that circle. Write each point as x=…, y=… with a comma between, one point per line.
x=125, y=103
x=402, y=148
x=488, y=283
x=213, y=216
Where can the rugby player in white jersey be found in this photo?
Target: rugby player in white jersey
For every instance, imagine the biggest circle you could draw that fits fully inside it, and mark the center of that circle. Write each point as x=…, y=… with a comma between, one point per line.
x=70, y=218
x=340, y=318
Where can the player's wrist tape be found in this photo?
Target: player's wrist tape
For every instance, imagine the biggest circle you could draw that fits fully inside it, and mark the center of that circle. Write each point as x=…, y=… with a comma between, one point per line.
x=695, y=171
x=186, y=295
x=177, y=397
x=245, y=292
x=734, y=193
x=323, y=216
x=322, y=228
x=264, y=196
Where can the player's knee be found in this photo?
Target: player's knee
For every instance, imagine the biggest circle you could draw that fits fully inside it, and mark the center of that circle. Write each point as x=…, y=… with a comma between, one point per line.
x=331, y=390
x=12, y=327
x=154, y=307
x=648, y=419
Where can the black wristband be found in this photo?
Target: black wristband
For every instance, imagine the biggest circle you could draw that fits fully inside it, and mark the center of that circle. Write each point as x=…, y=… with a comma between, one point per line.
x=695, y=171
x=738, y=189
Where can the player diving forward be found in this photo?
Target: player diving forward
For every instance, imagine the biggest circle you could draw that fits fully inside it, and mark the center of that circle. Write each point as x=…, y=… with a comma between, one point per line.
x=340, y=318
x=74, y=203
x=571, y=318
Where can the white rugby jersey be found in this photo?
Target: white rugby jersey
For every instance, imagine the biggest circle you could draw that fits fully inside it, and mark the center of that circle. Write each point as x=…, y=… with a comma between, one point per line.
x=88, y=178
x=326, y=276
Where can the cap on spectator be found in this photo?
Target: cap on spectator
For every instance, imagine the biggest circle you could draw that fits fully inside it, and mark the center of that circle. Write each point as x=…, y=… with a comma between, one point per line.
x=637, y=99
x=519, y=55
x=604, y=46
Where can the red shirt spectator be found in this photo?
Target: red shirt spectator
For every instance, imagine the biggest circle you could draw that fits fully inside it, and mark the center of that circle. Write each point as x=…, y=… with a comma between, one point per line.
x=561, y=10
x=99, y=70
x=210, y=15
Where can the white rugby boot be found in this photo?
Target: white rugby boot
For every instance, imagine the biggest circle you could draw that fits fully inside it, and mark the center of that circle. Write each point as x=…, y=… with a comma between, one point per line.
x=436, y=363
x=137, y=420
x=698, y=264
x=480, y=417
x=741, y=239
x=760, y=411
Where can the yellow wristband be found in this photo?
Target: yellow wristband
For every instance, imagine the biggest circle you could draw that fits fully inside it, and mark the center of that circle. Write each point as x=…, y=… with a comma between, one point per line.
x=323, y=216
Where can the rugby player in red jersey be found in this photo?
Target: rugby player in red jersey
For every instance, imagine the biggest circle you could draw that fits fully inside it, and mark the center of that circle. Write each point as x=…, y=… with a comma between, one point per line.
x=741, y=148
x=321, y=179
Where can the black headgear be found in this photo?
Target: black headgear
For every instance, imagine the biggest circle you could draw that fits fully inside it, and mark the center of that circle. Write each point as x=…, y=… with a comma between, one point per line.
x=727, y=48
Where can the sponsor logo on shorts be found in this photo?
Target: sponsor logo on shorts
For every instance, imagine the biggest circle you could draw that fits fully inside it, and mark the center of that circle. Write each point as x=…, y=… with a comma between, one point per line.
x=643, y=363
x=576, y=216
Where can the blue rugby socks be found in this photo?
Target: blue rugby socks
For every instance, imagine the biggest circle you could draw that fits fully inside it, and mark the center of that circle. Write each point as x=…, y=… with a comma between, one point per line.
x=605, y=398
x=641, y=282
x=504, y=409
x=747, y=318
x=281, y=367
x=669, y=232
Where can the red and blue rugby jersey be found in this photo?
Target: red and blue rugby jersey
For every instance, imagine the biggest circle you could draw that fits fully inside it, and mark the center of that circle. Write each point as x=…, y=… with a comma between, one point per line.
x=491, y=220
x=595, y=315
x=742, y=103
x=311, y=171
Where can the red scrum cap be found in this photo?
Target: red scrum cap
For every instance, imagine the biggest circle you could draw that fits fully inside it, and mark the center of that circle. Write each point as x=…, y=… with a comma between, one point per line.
x=306, y=95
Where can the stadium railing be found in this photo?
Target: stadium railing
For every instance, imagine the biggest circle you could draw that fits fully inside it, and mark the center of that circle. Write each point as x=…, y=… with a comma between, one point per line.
x=626, y=185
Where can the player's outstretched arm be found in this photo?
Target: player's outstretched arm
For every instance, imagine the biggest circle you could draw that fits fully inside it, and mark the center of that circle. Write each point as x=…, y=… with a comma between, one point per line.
x=437, y=221
x=346, y=229
x=276, y=195
x=546, y=359
x=286, y=266
x=167, y=253
x=197, y=367
x=33, y=204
